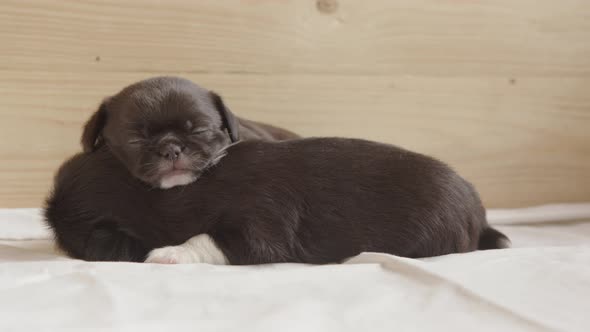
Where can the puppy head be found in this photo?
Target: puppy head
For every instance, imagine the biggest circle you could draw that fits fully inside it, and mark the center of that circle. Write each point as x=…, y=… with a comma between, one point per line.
x=165, y=130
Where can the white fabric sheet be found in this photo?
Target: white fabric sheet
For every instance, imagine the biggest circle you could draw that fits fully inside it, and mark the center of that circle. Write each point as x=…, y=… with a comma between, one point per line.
x=542, y=284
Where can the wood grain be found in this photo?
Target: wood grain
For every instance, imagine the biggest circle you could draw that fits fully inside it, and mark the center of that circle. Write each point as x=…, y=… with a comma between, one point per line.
x=499, y=89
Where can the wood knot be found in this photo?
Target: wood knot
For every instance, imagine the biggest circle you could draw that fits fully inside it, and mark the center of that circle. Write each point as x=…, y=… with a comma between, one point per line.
x=327, y=6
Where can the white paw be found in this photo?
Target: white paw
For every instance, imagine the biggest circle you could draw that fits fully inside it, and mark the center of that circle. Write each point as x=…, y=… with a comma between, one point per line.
x=198, y=249
x=170, y=255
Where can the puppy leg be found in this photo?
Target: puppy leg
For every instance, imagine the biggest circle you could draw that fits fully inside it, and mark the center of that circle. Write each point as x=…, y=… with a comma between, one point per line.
x=198, y=249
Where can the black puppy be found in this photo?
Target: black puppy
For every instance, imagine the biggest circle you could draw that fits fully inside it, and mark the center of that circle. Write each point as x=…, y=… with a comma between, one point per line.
x=167, y=130
x=317, y=200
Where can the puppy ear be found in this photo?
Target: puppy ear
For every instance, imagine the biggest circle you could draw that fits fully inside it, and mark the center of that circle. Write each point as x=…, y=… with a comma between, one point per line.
x=92, y=133
x=229, y=120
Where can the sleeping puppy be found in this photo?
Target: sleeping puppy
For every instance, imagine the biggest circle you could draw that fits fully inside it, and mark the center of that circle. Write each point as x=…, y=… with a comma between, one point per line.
x=316, y=200
x=168, y=130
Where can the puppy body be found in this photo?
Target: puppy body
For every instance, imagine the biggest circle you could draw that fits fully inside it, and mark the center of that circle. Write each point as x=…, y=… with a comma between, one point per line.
x=317, y=200
x=253, y=130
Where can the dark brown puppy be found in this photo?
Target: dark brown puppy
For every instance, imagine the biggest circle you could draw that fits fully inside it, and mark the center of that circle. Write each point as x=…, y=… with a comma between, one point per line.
x=317, y=200
x=167, y=130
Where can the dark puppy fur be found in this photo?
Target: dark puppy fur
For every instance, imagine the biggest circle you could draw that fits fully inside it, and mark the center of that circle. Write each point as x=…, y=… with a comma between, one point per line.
x=167, y=130
x=317, y=200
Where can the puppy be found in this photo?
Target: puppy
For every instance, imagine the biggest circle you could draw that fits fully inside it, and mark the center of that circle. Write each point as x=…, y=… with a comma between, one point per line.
x=168, y=130
x=316, y=200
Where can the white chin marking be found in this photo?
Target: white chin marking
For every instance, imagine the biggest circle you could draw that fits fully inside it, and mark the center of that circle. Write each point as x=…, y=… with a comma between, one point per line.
x=177, y=180
x=198, y=249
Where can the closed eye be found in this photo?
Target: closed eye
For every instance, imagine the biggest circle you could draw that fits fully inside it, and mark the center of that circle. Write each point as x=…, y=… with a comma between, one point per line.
x=135, y=141
x=198, y=131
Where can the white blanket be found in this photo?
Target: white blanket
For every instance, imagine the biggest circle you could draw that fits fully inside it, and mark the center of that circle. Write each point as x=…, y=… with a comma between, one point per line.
x=542, y=284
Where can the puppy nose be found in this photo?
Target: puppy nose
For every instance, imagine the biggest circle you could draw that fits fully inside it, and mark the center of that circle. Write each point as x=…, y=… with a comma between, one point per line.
x=171, y=151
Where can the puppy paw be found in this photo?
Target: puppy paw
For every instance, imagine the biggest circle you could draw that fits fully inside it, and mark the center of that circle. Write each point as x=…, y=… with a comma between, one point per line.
x=198, y=249
x=170, y=255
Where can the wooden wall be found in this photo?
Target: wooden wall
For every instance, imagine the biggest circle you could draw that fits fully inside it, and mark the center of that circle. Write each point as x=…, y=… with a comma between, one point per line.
x=500, y=89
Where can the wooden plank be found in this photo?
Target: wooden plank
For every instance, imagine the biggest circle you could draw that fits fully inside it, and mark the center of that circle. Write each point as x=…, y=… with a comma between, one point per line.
x=379, y=37
x=523, y=142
